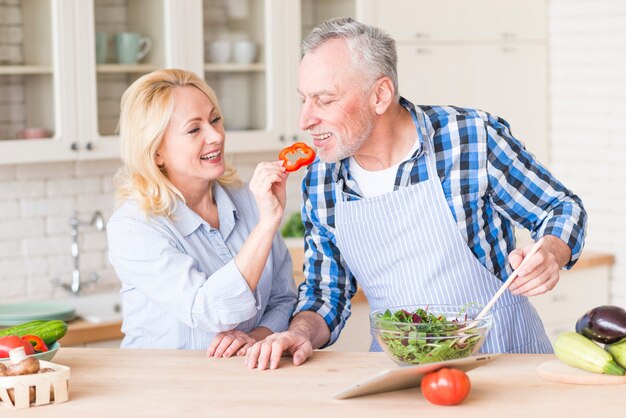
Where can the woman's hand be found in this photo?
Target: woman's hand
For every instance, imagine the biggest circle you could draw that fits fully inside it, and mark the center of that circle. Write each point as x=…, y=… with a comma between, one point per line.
x=268, y=186
x=229, y=343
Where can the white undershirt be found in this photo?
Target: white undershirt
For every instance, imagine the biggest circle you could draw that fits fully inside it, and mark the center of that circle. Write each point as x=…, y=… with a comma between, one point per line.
x=375, y=183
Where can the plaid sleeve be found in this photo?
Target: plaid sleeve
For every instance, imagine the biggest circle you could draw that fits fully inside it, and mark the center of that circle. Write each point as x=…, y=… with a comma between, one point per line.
x=328, y=285
x=527, y=193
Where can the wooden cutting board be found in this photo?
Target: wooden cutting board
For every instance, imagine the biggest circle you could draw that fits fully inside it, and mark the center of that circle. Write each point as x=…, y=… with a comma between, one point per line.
x=557, y=371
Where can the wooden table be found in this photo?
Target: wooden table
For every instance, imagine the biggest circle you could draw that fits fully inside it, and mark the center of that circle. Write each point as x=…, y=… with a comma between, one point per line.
x=164, y=383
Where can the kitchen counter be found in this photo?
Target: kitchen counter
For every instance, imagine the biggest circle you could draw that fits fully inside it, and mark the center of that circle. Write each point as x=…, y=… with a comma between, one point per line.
x=82, y=332
x=171, y=383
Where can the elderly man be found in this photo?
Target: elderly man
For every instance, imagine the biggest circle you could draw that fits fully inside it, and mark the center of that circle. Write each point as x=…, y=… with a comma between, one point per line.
x=416, y=204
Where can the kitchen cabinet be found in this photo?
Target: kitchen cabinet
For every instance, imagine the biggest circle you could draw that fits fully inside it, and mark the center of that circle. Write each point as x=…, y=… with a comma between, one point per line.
x=429, y=74
x=49, y=77
x=486, y=54
x=458, y=20
x=58, y=86
x=37, y=80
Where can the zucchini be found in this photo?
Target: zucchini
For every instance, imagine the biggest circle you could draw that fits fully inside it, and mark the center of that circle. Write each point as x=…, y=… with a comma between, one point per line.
x=618, y=351
x=21, y=329
x=48, y=331
x=580, y=352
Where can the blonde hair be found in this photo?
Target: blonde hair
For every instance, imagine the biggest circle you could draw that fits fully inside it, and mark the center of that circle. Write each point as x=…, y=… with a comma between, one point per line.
x=146, y=108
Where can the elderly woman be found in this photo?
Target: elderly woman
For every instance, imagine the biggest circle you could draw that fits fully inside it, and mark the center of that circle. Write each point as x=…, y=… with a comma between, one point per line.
x=199, y=257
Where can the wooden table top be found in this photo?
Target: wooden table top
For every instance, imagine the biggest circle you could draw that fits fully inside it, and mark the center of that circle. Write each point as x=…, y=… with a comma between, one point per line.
x=176, y=383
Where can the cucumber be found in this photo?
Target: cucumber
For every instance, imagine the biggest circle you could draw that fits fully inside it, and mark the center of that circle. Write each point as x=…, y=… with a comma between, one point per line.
x=21, y=329
x=48, y=331
x=579, y=351
x=618, y=351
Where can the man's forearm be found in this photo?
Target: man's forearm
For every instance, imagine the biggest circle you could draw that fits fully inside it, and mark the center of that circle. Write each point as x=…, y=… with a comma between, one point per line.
x=313, y=326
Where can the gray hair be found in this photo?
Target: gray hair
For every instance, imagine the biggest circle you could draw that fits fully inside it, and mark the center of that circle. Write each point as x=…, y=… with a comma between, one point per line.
x=373, y=50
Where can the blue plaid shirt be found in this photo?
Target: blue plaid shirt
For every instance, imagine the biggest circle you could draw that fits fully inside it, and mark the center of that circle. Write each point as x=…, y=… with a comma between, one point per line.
x=492, y=185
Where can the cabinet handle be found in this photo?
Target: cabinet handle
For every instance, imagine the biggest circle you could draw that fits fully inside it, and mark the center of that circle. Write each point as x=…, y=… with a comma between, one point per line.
x=281, y=138
x=422, y=51
x=294, y=138
x=89, y=146
x=74, y=146
x=421, y=35
x=508, y=35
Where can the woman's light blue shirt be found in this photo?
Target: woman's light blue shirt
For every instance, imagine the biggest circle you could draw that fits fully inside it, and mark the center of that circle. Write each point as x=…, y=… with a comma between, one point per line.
x=180, y=284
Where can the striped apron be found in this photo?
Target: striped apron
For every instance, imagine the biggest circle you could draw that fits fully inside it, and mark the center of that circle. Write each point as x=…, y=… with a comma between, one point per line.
x=405, y=248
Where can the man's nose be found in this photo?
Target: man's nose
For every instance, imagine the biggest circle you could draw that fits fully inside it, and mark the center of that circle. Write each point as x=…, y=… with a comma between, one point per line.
x=308, y=118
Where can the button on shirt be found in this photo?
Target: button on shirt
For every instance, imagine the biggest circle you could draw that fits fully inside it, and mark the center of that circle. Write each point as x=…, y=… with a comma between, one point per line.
x=180, y=284
x=492, y=185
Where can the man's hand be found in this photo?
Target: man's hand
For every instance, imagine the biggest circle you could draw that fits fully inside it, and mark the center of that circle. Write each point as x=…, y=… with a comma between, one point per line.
x=307, y=331
x=267, y=353
x=540, y=273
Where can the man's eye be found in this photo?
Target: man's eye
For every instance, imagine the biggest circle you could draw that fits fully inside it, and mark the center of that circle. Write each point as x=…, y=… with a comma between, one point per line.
x=326, y=101
x=193, y=131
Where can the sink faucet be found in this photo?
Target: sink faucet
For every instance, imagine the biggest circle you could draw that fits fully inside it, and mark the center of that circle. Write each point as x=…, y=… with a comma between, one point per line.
x=77, y=283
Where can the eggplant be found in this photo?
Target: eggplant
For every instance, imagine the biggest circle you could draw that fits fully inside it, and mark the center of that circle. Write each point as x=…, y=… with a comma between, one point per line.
x=605, y=324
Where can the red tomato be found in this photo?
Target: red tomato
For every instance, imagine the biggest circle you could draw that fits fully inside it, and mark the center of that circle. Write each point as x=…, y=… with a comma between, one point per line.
x=446, y=386
x=13, y=341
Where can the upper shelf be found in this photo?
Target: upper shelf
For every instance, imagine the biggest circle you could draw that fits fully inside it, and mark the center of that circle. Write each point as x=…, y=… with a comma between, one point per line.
x=25, y=69
x=234, y=67
x=126, y=68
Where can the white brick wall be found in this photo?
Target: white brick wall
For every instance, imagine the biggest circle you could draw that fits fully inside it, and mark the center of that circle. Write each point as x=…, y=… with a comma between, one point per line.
x=588, y=118
x=36, y=201
x=35, y=205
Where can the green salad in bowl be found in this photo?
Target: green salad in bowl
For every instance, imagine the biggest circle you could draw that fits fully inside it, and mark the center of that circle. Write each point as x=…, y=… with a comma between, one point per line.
x=429, y=333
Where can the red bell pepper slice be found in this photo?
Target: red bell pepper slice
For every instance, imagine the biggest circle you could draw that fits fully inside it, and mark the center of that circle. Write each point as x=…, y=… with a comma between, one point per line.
x=306, y=156
x=36, y=342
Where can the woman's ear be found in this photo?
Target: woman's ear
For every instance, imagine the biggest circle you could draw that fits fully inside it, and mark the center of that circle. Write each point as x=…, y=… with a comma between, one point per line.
x=383, y=94
x=158, y=159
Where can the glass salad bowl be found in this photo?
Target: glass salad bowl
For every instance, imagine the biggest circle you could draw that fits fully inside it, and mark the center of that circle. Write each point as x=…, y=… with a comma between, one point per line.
x=420, y=334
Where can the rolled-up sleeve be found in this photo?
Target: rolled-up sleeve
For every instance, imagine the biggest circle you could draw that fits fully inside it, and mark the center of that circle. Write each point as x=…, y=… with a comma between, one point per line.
x=147, y=257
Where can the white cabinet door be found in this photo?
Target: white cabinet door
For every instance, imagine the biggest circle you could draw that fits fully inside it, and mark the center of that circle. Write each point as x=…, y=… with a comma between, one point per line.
x=245, y=63
x=507, y=20
x=417, y=20
x=510, y=81
x=457, y=20
x=433, y=74
x=37, y=86
x=101, y=84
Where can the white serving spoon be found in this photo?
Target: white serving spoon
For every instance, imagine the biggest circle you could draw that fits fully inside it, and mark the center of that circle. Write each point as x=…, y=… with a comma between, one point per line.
x=505, y=286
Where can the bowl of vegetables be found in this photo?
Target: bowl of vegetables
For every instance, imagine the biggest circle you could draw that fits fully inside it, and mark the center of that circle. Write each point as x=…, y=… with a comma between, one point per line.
x=420, y=334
